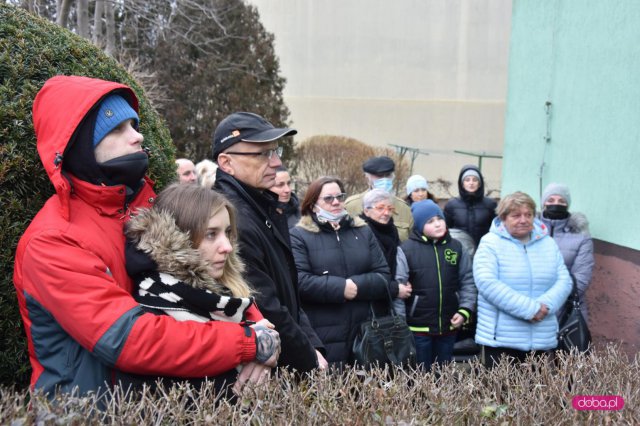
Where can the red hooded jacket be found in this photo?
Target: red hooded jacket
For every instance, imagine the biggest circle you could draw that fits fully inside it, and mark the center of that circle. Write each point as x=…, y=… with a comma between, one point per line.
x=73, y=290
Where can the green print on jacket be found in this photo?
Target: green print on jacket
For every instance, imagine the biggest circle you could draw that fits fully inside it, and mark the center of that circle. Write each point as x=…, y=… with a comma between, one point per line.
x=451, y=256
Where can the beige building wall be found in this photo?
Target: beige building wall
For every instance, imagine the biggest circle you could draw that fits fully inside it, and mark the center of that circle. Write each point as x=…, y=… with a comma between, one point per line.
x=428, y=74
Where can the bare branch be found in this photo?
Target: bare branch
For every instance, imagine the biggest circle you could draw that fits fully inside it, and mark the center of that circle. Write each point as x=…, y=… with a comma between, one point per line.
x=97, y=23
x=62, y=12
x=82, y=17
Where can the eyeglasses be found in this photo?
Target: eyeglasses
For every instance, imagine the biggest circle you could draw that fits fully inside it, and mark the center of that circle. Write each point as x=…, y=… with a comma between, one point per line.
x=384, y=209
x=329, y=198
x=266, y=154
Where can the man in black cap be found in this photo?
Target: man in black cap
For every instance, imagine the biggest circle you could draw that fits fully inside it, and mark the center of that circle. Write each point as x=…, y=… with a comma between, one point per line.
x=379, y=174
x=245, y=146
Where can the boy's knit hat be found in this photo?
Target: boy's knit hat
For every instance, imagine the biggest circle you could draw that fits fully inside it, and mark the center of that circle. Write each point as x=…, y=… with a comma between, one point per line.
x=423, y=211
x=114, y=109
x=416, y=182
x=556, y=189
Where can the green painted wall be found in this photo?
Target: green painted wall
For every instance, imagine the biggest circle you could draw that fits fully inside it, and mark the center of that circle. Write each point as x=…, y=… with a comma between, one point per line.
x=583, y=56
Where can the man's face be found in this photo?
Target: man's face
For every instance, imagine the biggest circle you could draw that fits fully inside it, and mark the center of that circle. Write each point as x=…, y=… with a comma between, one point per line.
x=282, y=187
x=122, y=140
x=186, y=171
x=257, y=170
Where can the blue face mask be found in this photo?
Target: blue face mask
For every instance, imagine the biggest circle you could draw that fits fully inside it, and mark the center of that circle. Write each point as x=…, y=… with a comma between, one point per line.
x=324, y=215
x=386, y=184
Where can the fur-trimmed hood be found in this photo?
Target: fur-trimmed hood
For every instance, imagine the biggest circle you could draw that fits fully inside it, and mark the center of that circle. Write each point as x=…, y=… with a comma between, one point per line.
x=578, y=223
x=309, y=224
x=155, y=233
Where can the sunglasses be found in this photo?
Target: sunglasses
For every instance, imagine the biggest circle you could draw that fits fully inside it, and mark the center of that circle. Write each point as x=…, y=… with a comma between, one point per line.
x=329, y=198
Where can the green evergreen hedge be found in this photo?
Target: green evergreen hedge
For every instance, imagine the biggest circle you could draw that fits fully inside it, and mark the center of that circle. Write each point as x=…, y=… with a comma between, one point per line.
x=31, y=51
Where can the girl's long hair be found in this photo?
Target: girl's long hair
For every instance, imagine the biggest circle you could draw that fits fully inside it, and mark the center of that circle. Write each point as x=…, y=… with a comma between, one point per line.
x=192, y=206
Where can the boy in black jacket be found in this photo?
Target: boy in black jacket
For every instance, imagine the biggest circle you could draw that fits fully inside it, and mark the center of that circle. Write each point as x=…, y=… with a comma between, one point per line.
x=444, y=294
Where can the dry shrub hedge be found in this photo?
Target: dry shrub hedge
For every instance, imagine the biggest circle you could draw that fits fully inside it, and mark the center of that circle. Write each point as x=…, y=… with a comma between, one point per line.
x=529, y=393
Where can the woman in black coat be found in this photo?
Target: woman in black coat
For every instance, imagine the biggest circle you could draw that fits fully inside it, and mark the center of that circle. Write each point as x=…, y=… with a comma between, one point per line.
x=471, y=212
x=341, y=268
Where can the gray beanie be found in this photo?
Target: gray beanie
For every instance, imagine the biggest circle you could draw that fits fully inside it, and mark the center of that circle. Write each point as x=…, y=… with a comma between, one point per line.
x=556, y=189
x=470, y=172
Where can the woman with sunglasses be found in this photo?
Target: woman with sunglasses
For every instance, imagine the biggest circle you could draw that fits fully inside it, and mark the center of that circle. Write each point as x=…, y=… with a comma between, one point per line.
x=341, y=268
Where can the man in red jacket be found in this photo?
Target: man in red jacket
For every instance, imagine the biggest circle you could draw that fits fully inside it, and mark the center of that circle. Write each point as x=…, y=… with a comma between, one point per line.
x=81, y=321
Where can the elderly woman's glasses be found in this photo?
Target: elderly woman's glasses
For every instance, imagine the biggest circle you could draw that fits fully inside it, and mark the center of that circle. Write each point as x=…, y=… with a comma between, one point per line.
x=384, y=209
x=329, y=198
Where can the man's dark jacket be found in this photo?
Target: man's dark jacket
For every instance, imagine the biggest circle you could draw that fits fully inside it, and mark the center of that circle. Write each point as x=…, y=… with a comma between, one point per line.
x=271, y=270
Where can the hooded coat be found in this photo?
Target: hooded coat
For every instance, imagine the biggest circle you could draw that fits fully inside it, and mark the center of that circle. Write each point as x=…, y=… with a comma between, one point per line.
x=325, y=258
x=271, y=271
x=73, y=289
x=513, y=280
x=471, y=212
x=575, y=244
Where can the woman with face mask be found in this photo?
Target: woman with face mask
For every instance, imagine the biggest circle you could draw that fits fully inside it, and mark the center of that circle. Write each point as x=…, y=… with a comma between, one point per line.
x=471, y=212
x=341, y=268
x=571, y=233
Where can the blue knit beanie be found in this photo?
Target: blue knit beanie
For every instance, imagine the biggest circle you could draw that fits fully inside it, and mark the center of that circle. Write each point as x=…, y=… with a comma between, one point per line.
x=416, y=182
x=114, y=109
x=422, y=211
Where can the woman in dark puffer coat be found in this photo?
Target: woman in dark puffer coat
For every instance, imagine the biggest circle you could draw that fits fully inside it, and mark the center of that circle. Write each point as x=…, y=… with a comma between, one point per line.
x=471, y=212
x=341, y=268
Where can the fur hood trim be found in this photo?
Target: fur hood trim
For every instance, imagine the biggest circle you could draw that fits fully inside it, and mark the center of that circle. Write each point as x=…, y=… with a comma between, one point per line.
x=156, y=233
x=308, y=224
x=578, y=224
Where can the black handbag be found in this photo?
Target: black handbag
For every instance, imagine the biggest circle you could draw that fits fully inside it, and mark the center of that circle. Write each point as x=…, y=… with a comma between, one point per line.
x=384, y=340
x=574, y=330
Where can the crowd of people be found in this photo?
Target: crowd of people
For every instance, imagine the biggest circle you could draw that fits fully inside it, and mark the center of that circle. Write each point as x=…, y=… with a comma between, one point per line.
x=225, y=274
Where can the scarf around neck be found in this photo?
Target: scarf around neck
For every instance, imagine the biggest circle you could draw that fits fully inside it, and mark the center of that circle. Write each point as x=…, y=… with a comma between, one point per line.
x=388, y=239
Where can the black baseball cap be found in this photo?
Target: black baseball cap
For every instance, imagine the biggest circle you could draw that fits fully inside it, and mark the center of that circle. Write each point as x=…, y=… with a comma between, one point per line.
x=245, y=127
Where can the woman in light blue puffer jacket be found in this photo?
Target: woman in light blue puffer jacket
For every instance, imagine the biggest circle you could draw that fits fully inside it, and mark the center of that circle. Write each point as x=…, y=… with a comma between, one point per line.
x=522, y=281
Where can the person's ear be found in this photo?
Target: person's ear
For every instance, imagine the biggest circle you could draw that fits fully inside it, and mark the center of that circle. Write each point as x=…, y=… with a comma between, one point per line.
x=224, y=162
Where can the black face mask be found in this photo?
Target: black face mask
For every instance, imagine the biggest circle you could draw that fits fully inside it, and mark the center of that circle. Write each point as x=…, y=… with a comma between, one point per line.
x=127, y=170
x=556, y=211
